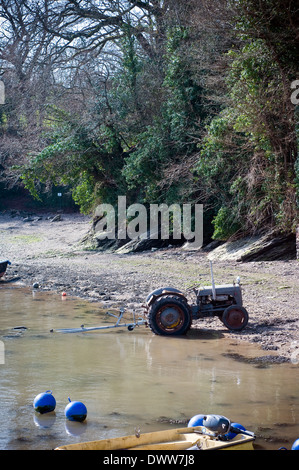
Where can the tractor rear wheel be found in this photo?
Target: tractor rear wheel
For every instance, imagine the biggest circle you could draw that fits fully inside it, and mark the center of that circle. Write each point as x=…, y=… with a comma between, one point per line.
x=235, y=317
x=169, y=315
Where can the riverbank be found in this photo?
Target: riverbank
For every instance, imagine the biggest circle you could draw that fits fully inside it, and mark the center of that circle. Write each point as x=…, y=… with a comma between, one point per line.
x=47, y=253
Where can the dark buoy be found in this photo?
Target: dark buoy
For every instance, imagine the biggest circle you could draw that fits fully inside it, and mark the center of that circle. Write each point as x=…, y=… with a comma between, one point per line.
x=44, y=402
x=75, y=411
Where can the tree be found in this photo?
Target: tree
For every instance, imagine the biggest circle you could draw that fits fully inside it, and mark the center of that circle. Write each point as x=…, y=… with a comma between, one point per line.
x=257, y=176
x=90, y=26
x=134, y=101
x=165, y=100
x=27, y=60
x=275, y=24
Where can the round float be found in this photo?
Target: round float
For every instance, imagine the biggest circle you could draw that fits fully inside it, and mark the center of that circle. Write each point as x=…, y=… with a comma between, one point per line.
x=75, y=411
x=44, y=402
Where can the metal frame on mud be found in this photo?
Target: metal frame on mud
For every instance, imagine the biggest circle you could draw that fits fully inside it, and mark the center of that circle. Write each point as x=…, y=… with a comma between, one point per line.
x=118, y=324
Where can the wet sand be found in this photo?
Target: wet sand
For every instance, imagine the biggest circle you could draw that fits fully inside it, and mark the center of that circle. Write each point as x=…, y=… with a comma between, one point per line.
x=50, y=255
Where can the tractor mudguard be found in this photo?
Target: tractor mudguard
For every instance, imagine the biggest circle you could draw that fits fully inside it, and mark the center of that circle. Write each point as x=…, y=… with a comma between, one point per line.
x=161, y=292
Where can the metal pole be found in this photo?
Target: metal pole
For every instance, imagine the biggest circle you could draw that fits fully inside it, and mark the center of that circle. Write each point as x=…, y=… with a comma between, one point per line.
x=213, y=283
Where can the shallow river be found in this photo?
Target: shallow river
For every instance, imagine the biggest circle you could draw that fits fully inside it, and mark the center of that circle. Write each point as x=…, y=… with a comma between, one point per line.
x=128, y=380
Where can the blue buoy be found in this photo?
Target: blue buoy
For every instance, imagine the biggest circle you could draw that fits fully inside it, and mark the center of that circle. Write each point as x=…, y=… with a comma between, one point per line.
x=295, y=446
x=44, y=402
x=196, y=420
x=75, y=411
x=231, y=434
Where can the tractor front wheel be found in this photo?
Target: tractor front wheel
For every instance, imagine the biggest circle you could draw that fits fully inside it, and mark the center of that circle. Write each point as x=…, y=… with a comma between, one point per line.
x=235, y=317
x=169, y=315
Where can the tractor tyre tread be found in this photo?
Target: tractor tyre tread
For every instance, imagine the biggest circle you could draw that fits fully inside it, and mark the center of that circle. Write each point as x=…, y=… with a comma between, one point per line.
x=162, y=302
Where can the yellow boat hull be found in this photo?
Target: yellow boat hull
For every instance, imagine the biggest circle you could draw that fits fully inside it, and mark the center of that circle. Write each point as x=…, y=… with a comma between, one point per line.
x=172, y=439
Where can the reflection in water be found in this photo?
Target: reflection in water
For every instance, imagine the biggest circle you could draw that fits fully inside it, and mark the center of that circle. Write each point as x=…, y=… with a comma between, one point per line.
x=44, y=421
x=73, y=428
x=128, y=379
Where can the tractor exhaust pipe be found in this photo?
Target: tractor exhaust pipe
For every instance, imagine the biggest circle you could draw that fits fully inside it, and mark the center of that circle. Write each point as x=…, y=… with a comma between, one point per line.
x=213, y=283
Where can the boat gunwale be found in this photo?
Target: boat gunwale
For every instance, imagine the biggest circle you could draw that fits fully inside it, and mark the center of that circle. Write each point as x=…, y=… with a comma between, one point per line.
x=158, y=438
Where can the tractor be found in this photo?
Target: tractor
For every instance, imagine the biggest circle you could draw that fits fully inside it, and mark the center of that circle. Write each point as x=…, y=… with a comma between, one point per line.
x=169, y=313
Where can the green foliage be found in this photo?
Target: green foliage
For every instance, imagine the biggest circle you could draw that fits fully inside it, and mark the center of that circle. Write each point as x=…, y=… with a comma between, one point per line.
x=153, y=117
x=78, y=159
x=241, y=167
x=146, y=162
x=224, y=224
x=170, y=135
x=221, y=171
x=84, y=193
x=183, y=104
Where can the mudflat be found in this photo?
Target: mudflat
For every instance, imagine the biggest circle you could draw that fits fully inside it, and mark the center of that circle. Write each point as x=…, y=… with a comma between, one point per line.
x=49, y=254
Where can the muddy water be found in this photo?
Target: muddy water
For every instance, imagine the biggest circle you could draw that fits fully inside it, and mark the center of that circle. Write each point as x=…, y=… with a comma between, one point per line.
x=129, y=380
